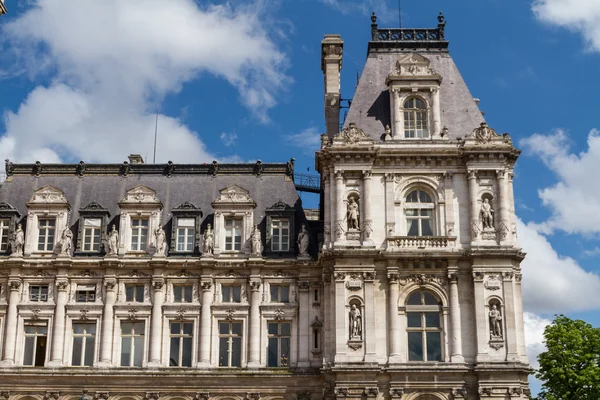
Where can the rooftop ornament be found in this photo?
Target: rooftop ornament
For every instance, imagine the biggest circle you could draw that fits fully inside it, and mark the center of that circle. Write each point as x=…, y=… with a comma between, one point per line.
x=409, y=34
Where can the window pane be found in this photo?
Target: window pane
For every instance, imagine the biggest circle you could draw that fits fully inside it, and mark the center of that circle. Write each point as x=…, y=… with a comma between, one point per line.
x=274, y=293
x=284, y=296
x=236, y=294
x=285, y=352
x=223, y=352
x=188, y=294
x=414, y=299
x=175, y=328
x=272, y=328
x=139, y=294
x=174, y=352
x=236, y=352
x=28, y=355
x=89, y=351
x=78, y=328
x=188, y=328
x=434, y=346
x=424, y=197
x=177, y=294
x=285, y=329
x=430, y=299
x=186, y=356
x=125, y=351
x=129, y=293
x=413, y=320
x=415, y=346
x=412, y=227
x=40, y=351
x=236, y=328
x=138, y=343
x=77, y=347
x=432, y=320
x=223, y=328
x=188, y=222
x=226, y=292
x=272, y=353
x=91, y=329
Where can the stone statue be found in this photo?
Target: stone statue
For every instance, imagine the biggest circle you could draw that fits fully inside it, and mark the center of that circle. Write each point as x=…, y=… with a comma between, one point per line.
x=355, y=320
x=209, y=240
x=113, y=241
x=487, y=215
x=256, y=241
x=352, y=214
x=66, y=242
x=18, y=242
x=303, y=241
x=495, y=322
x=161, y=244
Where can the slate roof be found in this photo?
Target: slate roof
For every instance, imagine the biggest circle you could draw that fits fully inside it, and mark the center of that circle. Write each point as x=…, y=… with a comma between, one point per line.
x=370, y=109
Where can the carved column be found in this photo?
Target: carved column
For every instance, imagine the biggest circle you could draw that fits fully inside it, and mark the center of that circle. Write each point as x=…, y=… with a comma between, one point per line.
x=328, y=316
x=390, y=221
x=11, y=323
x=394, y=325
x=58, y=329
x=456, y=333
x=326, y=209
x=369, y=318
x=449, y=205
x=474, y=205
x=340, y=224
x=435, y=111
x=304, y=305
x=110, y=297
x=397, y=115
x=341, y=335
x=483, y=333
x=522, y=346
x=367, y=219
x=156, y=322
x=503, y=225
x=509, y=331
x=205, y=323
x=254, y=353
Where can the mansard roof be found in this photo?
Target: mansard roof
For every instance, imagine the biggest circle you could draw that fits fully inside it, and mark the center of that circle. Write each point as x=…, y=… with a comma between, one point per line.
x=174, y=184
x=370, y=109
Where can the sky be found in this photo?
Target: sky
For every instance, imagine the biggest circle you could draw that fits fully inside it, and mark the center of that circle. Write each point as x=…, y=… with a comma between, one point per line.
x=241, y=80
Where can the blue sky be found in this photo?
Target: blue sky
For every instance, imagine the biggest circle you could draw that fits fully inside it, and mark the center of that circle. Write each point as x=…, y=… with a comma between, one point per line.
x=241, y=80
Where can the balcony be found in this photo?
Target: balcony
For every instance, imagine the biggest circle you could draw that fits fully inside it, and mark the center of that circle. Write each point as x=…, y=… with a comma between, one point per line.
x=396, y=243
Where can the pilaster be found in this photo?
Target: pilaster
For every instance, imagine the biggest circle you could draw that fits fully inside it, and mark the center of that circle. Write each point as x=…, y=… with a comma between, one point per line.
x=456, y=329
x=10, y=337
x=158, y=297
x=106, y=345
x=205, y=322
x=393, y=317
x=58, y=329
x=254, y=342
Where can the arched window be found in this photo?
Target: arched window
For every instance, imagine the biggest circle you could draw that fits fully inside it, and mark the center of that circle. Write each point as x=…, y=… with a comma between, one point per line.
x=415, y=118
x=419, y=214
x=424, y=327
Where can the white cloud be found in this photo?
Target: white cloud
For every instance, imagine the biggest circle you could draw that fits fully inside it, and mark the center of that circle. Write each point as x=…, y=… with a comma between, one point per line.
x=573, y=200
x=309, y=140
x=111, y=61
x=581, y=16
x=534, y=336
x=228, y=139
x=553, y=283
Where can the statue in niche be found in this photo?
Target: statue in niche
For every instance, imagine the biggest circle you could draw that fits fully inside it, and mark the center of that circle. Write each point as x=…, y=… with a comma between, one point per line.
x=113, y=241
x=355, y=319
x=18, y=242
x=209, y=240
x=303, y=241
x=487, y=214
x=161, y=243
x=256, y=241
x=495, y=322
x=66, y=242
x=352, y=214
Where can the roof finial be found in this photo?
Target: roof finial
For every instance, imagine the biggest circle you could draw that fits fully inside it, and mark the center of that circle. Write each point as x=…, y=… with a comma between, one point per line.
x=374, y=18
x=374, y=35
x=441, y=19
x=441, y=25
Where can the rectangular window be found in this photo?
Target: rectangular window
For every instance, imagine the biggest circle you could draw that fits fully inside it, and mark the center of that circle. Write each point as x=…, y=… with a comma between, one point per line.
x=230, y=344
x=36, y=337
x=185, y=234
x=84, y=340
x=47, y=228
x=139, y=234
x=85, y=293
x=181, y=344
x=134, y=293
x=182, y=294
x=280, y=234
x=91, y=234
x=231, y=294
x=132, y=343
x=316, y=335
x=4, y=228
x=38, y=293
x=280, y=294
x=233, y=234
x=278, y=351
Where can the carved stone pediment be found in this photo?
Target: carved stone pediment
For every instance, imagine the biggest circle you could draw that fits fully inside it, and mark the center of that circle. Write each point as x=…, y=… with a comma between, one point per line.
x=94, y=207
x=140, y=194
x=486, y=135
x=48, y=195
x=413, y=64
x=280, y=206
x=186, y=206
x=352, y=135
x=234, y=194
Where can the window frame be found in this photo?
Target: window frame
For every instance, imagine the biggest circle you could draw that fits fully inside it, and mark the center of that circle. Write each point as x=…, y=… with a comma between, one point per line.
x=183, y=211
x=231, y=290
x=181, y=336
x=280, y=211
x=87, y=292
x=419, y=206
x=230, y=336
x=279, y=294
x=92, y=211
x=183, y=287
x=415, y=111
x=423, y=309
x=40, y=293
x=132, y=347
x=137, y=287
x=233, y=243
x=36, y=346
x=48, y=247
x=278, y=239
x=142, y=246
x=278, y=337
x=12, y=216
x=84, y=343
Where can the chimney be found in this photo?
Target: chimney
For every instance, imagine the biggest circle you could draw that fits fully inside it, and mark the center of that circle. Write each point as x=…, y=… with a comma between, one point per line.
x=135, y=159
x=331, y=64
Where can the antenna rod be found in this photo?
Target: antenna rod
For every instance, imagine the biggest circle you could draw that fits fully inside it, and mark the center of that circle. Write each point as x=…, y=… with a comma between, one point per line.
x=400, y=13
x=155, y=133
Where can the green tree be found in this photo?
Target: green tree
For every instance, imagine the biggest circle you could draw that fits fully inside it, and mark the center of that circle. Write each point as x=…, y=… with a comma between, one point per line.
x=570, y=368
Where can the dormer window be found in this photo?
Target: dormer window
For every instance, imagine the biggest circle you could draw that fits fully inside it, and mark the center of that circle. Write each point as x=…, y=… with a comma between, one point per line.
x=415, y=118
x=46, y=234
x=46, y=220
x=93, y=222
x=234, y=220
x=91, y=234
x=140, y=218
x=186, y=229
x=139, y=234
x=280, y=229
x=9, y=217
x=233, y=234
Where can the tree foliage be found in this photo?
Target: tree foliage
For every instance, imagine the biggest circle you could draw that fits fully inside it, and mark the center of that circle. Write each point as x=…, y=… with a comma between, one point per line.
x=570, y=368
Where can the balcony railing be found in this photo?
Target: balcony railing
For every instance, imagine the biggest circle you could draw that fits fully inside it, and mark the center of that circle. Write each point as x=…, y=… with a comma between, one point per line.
x=409, y=37
x=420, y=242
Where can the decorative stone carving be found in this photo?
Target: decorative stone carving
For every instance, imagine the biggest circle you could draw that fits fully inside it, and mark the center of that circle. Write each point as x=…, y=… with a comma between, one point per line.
x=303, y=395
x=52, y=395
x=339, y=276
x=205, y=285
x=279, y=314
x=65, y=244
x=84, y=314
x=495, y=317
x=132, y=314
x=303, y=285
x=478, y=276
x=339, y=228
x=369, y=276
x=393, y=277
x=17, y=242
x=459, y=393
x=422, y=279
x=8, y=167
x=234, y=194
x=35, y=314
x=484, y=134
x=209, y=240
x=355, y=323
x=254, y=286
x=48, y=194
x=368, y=229
x=14, y=285
x=450, y=229
x=303, y=242
x=113, y=241
x=140, y=194
x=62, y=285
x=152, y=396
x=352, y=134
x=474, y=229
x=352, y=214
x=317, y=323
x=413, y=64
x=493, y=282
x=515, y=392
x=371, y=391
x=202, y=396
x=161, y=242
x=4, y=395
x=158, y=285
x=256, y=242
x=486, y=214
x=342, y=391
x=253, y=396
x=485, y=391
x=396, y=392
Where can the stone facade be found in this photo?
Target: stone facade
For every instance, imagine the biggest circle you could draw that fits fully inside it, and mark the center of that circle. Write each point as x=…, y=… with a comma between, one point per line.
x=177, y=281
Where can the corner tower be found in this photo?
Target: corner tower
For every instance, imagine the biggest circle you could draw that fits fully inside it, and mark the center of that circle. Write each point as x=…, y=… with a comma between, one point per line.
x=420, y=257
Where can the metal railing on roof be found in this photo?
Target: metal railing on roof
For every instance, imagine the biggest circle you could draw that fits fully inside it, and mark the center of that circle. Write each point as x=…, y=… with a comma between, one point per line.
x=307, y=183
x=408, y=34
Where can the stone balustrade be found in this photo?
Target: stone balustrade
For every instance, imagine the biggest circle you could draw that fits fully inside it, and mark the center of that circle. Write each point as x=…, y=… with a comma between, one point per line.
x=419, y=242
